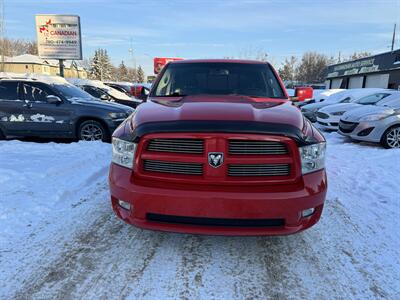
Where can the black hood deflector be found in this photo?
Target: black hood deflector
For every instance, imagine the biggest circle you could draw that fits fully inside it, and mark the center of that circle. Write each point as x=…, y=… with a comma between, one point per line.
x=249, y=127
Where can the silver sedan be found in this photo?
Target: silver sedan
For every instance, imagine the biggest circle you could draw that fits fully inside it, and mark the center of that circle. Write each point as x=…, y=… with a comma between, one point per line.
x=373, y=123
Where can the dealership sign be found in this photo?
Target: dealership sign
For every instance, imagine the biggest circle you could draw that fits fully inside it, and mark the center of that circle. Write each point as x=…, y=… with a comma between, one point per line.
x=160, y=62
x=381, y=62
x=59, y=36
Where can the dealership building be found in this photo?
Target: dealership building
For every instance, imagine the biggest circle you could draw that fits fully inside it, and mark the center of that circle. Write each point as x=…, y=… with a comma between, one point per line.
x=378, y=71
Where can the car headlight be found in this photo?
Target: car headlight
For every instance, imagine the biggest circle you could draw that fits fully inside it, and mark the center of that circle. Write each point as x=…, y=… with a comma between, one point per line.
x=338, y=113
x=123, y=152
x=120, y=115
x=312, y=157
x=374, y=117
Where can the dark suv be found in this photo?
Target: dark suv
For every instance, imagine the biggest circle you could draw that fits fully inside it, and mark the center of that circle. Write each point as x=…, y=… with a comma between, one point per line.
x=53, y=108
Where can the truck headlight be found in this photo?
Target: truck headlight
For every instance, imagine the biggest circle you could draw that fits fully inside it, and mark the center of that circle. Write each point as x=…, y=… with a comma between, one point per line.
x=123, y=152
x=312, y=157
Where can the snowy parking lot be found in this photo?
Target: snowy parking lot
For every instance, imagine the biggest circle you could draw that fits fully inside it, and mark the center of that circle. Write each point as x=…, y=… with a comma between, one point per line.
x=60, y=239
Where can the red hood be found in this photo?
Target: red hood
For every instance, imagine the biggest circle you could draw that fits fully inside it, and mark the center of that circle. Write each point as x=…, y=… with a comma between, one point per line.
x=220, y=108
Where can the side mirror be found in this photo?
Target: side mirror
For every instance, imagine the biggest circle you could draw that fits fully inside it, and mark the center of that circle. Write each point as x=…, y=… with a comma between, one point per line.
x=53, y=99
x=302, y=94
x=105, y=97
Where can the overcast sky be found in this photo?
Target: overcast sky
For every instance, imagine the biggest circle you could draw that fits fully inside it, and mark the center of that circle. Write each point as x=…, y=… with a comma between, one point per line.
x=215, y=29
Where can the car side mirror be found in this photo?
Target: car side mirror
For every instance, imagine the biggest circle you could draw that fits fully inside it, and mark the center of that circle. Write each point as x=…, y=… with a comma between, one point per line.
x=105, y=97
x=53, y=99
x=302, y=94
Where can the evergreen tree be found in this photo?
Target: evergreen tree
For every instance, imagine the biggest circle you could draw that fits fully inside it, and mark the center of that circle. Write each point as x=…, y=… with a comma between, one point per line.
x=122, y=72
x=101, y=67
x=140, y=74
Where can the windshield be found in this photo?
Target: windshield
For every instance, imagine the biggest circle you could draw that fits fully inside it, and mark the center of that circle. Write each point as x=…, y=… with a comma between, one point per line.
x=372, y=99
x=70, y=91
x=256, y=80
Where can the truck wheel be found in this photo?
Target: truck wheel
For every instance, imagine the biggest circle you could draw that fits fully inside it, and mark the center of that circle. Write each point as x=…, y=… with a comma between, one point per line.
x=391, y=138
x=92, y=131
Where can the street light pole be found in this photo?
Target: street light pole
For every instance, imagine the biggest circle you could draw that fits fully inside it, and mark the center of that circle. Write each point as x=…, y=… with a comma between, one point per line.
x=133, y=60
x=2, y=34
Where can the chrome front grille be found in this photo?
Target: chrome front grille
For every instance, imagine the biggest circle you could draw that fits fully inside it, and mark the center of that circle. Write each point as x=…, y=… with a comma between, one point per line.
x=191, y=146
x=248, y=147
x=250, y=170
x=173, y=167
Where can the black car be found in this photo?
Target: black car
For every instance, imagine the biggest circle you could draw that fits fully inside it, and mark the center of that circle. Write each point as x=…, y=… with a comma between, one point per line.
x=55, y=109
x=138, y=90
x=106, y=93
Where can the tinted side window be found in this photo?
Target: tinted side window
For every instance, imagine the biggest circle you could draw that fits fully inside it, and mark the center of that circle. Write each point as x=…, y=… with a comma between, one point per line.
x=93, y=91
x=9, y=90
x=36, y=92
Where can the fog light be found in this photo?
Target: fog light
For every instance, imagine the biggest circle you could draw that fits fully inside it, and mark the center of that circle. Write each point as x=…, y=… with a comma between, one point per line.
x=124, y=205
x=307, y=212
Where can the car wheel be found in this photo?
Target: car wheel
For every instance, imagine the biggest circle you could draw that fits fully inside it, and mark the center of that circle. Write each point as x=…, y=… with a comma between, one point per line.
x=391, y=138
x=92, y=131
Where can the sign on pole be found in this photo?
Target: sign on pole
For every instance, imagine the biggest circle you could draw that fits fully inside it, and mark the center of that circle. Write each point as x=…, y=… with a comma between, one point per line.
x=160, y=62
x=59, y=36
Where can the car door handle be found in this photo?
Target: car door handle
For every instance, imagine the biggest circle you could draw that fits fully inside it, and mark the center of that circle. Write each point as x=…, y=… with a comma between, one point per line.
x=28, y=105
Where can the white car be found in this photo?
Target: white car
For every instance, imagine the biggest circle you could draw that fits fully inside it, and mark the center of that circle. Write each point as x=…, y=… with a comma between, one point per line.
x=374, y=123
x=328, y=117
x=346, y=96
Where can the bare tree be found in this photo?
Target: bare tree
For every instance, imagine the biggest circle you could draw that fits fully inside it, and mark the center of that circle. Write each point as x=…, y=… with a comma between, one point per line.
x=358, y=55
x=14, y=47
x=312, y=67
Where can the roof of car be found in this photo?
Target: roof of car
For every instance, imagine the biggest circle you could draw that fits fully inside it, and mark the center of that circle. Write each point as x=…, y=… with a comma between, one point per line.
x=238, y=61
x=49, y=79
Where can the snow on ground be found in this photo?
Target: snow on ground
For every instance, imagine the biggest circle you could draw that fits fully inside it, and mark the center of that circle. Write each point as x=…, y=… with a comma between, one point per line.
x=60, y=239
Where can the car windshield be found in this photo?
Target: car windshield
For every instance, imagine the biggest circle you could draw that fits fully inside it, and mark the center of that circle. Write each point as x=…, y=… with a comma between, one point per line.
x=257, y=80
x=70, y=91
x=372, y=99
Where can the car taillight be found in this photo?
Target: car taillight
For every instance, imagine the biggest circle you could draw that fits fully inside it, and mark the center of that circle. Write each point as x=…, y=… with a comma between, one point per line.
x=312, y=157
x=123, y=153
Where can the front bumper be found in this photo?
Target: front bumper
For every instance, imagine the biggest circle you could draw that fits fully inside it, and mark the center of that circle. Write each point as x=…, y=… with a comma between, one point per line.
x=285, y=203
x=374, y=135
x=331, y=123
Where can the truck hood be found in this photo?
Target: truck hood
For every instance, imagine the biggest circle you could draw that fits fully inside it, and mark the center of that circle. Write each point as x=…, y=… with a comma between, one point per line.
x=218, y=108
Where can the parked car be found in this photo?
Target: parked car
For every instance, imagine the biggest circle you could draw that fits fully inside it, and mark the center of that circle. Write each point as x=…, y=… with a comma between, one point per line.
x=138, y=90
x=104, y=92
x=346, y=96
x=218, y=148
x=378, y=123
x=124, y=87
x=46, y=106
x=320, y=96
x=328, y=117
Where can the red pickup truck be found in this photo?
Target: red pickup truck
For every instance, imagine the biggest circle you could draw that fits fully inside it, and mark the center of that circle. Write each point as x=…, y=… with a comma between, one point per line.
x=218, y=148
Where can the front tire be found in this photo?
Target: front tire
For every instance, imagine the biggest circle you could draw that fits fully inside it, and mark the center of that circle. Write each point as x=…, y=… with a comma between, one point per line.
x=92, y=131
x=391, y=138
